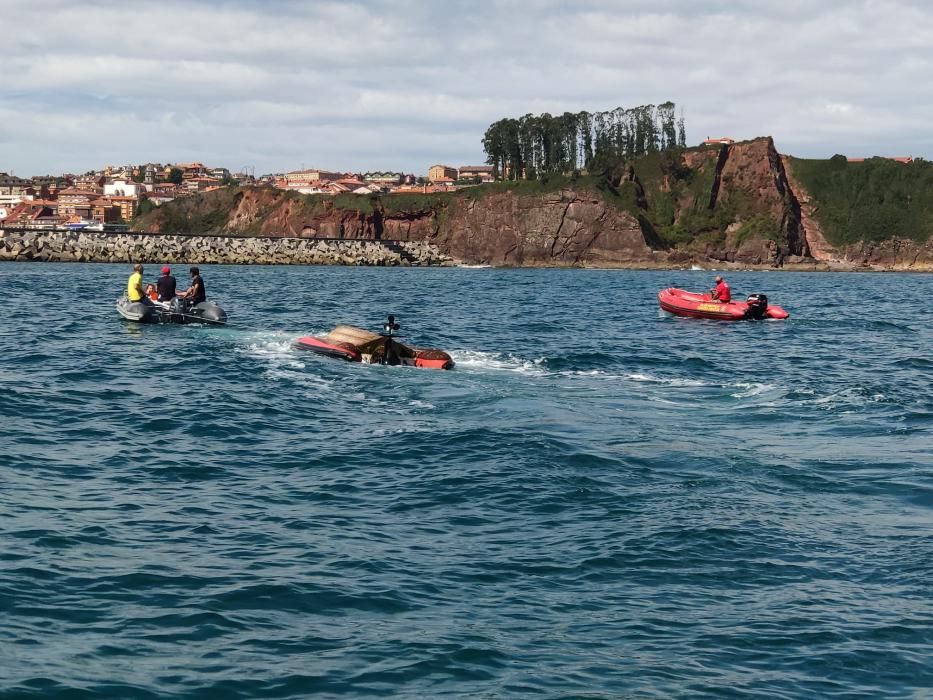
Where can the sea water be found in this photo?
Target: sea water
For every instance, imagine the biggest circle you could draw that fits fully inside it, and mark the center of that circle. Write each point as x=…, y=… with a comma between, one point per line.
x=599, y=501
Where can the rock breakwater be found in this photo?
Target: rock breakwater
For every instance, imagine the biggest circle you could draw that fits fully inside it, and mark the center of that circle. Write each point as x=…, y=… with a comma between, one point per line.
x=87, y=246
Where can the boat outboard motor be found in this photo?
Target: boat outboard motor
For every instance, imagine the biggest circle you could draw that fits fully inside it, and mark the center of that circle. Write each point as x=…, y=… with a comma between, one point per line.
x=390, y=354
x=757, y=306
x=178, y=305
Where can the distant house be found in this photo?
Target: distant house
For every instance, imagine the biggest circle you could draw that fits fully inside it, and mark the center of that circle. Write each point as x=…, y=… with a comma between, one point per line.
x=76, y=203
x=160, y=198
x=32, y=214
x=380, y=178
x=423, y=189
x=721, y=141
x=896, y=159
x=90, y=183
x=334, y=188
x=303, y=178
x=485, y=173
x=127, y=206
x=122, y=188
x=10, y=184
x=105, y=211
x=435, y=172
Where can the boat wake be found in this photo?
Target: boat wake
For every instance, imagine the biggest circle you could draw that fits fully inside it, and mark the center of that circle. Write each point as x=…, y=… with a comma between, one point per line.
x=473, y=359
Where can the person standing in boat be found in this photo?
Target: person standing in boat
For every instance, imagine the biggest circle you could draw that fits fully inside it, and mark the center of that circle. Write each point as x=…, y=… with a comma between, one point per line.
x=196, y=293
x=721, y=291
x=134, y=286
x=166, y=285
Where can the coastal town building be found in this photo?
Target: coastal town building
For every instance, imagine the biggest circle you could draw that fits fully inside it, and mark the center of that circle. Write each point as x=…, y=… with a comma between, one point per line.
x=303, y=178
x=14, y=190
x=425, y=188
x=194, y=185
x=123, y=188
x=484, y=173
x=105, y=211
x=435, y=172
x=12, y=185
x=75, y=203
x=158, y=199
x=32, y=214
x=896, y=159
x=127, y=206
x=90, y=183
x=190, y=170
x=51, y=183
x=384, y=178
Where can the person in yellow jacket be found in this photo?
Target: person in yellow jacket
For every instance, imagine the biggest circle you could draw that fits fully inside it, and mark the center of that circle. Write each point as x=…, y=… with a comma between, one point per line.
x=134, y=285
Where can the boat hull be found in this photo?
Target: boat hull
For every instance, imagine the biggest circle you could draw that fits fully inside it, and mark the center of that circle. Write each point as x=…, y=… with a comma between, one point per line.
x=357, y=345
x=691, y=304
x=341, y=351
x=206, y=312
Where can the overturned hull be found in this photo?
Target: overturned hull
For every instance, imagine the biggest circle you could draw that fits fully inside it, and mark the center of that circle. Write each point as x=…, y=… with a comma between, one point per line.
x=357, y=345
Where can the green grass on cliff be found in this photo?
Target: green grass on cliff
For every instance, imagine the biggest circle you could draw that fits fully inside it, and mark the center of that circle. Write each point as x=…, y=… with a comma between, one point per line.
x=869, y=201
x=677, y=198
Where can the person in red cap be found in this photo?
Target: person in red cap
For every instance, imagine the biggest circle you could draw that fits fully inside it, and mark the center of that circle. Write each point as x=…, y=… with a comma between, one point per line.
x=166, y=285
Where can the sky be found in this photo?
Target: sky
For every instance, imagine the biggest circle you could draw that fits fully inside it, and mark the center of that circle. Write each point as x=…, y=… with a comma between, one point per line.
x=278, y=85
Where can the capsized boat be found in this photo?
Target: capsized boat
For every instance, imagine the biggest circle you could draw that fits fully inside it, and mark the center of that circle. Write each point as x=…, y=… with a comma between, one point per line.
x=683, y=303
x=178, y=310
x=357, y=345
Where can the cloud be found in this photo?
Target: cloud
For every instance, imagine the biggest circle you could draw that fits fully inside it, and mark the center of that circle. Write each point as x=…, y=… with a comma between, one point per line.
x=354, y=85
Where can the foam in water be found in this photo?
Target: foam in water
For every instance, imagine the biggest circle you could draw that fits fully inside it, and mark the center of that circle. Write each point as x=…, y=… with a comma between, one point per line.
x=499, y=362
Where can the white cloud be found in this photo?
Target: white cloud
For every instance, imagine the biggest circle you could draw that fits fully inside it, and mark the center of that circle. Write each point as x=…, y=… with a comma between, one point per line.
x=354, y=85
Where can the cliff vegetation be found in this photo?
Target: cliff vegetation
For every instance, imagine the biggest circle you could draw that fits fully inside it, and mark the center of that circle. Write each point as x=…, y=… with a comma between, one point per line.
x=869, y=201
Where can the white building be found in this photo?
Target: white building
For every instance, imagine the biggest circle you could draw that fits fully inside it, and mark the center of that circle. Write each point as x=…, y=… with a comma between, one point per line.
x=122, y=188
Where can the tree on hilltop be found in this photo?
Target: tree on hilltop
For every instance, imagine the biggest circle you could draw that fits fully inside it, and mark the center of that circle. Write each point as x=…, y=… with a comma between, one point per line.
x=535, y=146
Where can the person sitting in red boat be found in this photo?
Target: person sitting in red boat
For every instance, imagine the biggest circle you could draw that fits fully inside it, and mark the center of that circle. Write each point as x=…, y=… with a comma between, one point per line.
x=721, y=291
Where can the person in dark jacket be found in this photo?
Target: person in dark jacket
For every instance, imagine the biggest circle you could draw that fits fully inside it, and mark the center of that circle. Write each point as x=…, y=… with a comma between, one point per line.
x=196, y=293
x=166, y=285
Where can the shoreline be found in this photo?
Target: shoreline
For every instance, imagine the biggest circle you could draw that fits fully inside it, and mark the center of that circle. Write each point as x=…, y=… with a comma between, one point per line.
x=37, y=245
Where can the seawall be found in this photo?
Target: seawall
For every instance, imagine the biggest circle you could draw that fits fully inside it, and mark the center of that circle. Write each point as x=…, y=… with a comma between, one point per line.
x=91, y=246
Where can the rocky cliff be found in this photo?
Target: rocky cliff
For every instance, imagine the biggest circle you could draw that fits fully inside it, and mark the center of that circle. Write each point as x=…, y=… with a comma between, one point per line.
x=731, y=205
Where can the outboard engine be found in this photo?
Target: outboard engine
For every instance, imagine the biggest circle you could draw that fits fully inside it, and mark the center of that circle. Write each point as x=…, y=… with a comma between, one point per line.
x=757, y=306
x=390, y=354
x=178, y=305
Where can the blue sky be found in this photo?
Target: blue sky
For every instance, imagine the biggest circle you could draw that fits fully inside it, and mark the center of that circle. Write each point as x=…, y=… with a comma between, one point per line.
x=277, y=85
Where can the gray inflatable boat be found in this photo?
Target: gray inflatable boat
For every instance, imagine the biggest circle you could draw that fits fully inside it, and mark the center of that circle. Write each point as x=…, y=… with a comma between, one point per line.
x=176, y=311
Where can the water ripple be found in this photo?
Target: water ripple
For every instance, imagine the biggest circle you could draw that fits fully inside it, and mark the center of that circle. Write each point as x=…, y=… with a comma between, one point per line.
x=599, y=501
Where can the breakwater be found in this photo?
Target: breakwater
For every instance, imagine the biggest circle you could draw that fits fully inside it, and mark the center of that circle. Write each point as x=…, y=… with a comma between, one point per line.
x=95, y=246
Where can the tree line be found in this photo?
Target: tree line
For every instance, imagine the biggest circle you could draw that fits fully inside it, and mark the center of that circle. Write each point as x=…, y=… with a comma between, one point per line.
x=534, y=146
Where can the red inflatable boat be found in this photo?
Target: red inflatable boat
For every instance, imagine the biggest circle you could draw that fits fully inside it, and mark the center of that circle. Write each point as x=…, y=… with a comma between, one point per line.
x=684, y=303
x=356, y=345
